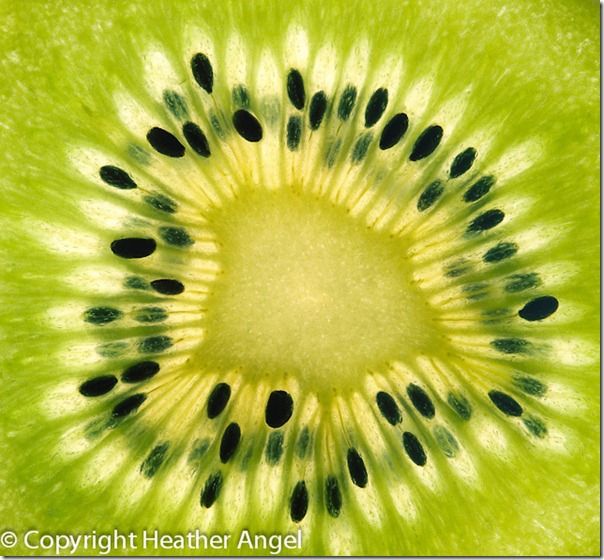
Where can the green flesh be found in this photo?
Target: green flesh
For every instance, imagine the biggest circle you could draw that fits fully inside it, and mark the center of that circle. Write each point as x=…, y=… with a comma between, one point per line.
x=386, y=294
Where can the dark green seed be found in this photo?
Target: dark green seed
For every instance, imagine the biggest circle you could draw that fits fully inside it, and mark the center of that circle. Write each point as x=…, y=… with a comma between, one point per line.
x=394, y=131
x=274, y=448
x=196, y=139
x=168, y=286
x=98, y=386
x=175, y=104
x=426, y=143
x=505, y=403
x=295, y=89
x=511, y=345
x=356, y=468
x=318, y=106
x=457, y=268
x=414, y=449
x=241, y=97
x=154, y=344
x=116, y=177
x=332, y=152
x=229, y=442
x=161, y=202
x=247, y=125
x=136, y=283
x=140, y=372
x=462, y=162
x=333, y=496
x=539, y=308
x=128, y=405
x=486, y=221
x=102, y=315
x=202, y=71
x=521, y=282
x=165, y=142
x=298, y=503
x=133, y=247
x=430, y=195
x=376, y=106
x=279, y=409
x=112, y=349
x=535, y=426
x=199, y=450
x=421, y=401
x=360, y=148
x=218, y=399
x=294, y=132
x=217, y=126
x=211, y=489
x=176, y=236
x=388, y=407
x=460, y=405
x=446, y=441
x=303, y=443
x=479, y=189
x=500, y=252
x=155, y=459
x=347, y=101
x=139, y=154
x=151, y=315
x=530, y=385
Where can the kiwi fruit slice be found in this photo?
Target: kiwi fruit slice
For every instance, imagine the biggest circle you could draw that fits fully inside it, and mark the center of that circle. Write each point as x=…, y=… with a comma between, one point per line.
x=319, y=266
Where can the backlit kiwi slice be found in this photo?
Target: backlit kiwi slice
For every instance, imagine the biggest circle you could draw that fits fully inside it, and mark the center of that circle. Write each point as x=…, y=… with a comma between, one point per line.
x=317, y=266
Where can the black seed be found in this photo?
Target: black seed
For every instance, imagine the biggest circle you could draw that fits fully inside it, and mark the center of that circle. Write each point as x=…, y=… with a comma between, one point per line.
x=426, y=142
x=199, y=450
x=165, y=142
x=294, y=132
x=347, y=101
x=511, y=345
x=446, y=441
x=202, y=71
x=98, y=386
x=211, y=489
x=168, y=286
x=332, y=152
x=521, y=282
x=247, y=126
x=430, y=195
x=303, y=443
x=133, y=247
x=462, y=162
x=175, y=104
x=140, y=372
x=360, y=148
x=414, y=449
x=333, y=496
x=295, y=89
x=161, y=203
x=176, y=236
x=155, y=459
x=500, y=252
x=274, y=447
x=241, y=97
x=218, y=399
x=196, y=139
x=505, y=403
x=486, y=221
x=112, y=349
x=151, y=315
x=421, y=401
x=279, y=409
x=318, y=106
x=128, y=405
x=535, y=426
x=394, y=131
x=539, y=308
x=101, y=315
x=479, y=188
x=376, y=106
x=460, y=405
x=229, y=442
x=136, y=283
x=116, y=177
x=356, y=468
x=154, y=344
x=388, y=407
x=530, y=385
x=298, y=503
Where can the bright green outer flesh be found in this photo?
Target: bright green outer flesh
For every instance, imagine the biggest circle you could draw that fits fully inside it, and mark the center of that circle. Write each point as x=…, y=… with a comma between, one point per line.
x=533, y=68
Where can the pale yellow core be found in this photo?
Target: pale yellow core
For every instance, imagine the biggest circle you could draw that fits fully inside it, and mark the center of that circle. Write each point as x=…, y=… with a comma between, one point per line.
x=308, y=290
